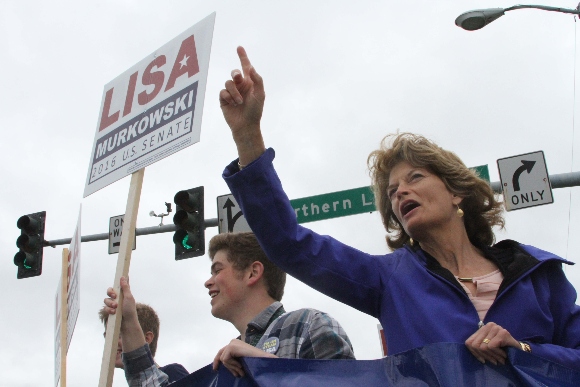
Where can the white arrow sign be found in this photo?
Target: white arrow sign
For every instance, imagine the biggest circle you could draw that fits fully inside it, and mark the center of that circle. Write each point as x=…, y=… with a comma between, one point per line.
x=230, y=217
x=525, y=181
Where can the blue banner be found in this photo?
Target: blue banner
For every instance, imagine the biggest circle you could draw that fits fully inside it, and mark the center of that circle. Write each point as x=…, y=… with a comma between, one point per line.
x=442, y=364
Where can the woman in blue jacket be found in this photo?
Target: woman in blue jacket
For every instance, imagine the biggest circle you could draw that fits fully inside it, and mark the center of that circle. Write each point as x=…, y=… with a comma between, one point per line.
x=445, y=281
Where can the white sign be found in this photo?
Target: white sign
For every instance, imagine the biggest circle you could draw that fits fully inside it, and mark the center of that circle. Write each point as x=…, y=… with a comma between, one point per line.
x=115, y=232
x=230, y=217
x=153, y=109
x=73, y=296
x=525, y=181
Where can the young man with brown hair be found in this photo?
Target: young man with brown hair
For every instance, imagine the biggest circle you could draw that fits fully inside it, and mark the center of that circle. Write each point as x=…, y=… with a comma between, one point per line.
x=245, y=289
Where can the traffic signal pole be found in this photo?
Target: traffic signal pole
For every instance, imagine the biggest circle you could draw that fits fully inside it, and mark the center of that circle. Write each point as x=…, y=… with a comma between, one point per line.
x=139, y=231
x=561, y=180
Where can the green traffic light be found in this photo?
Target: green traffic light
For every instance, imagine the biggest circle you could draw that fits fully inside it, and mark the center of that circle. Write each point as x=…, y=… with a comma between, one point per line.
x=30, y=244
x=24, y=260
x=184, y=242
x=189, y=223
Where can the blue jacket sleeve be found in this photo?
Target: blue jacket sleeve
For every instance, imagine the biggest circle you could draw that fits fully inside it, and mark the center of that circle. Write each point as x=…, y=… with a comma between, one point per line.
x=333, y=268
x=565, y=345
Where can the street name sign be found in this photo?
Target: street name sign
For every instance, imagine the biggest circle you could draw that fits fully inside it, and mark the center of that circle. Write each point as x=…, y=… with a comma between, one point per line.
x=153, y=109
x=525, y=181
x=310, y=209
x=115, y=232
x=334, y=204
x=482, y=171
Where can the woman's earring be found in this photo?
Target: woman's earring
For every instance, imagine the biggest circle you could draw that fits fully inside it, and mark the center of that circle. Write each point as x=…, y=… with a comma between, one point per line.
x=411, y=241
x=459, y=211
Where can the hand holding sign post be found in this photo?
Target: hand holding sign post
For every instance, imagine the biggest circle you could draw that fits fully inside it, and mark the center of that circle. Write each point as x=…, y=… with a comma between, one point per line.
x=147, y=113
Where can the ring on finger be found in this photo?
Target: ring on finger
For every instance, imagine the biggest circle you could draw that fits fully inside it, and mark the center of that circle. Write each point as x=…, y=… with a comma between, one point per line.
x=486, y=341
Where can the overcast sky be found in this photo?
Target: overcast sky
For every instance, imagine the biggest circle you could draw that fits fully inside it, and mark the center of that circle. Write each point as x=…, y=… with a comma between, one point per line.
x=339, y=76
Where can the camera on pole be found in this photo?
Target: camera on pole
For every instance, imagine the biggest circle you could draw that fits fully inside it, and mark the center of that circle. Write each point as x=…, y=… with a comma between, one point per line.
x=31, y=243
x=189, y=239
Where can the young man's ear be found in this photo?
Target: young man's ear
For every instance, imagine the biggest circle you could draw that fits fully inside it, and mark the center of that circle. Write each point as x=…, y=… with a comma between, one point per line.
x=149, y=337
x=256, y=270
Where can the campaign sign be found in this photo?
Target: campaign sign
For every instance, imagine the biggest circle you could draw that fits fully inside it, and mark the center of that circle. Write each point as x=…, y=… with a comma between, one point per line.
x=73, y=285
x=153, y=109
x=73, y=299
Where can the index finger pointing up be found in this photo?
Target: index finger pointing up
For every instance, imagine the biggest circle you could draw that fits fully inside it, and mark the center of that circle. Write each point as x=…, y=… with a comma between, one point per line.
x=244, y=60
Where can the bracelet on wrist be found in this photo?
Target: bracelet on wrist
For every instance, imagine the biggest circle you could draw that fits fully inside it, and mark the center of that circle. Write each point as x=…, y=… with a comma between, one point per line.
x=240, y=166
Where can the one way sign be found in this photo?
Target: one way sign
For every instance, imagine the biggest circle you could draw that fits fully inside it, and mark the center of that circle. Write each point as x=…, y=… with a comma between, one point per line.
x=525, y=181
x=115, y=232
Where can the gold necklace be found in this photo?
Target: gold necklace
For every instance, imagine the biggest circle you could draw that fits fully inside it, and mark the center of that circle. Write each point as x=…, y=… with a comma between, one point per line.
x=465, y=279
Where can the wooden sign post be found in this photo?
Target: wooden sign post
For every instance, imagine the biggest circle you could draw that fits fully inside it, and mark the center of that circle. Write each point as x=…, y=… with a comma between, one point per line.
x=124, y=260
x=165, y=120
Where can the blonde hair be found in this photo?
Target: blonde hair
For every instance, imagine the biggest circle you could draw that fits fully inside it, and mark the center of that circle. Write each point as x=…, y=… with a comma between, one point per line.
x=482, y=210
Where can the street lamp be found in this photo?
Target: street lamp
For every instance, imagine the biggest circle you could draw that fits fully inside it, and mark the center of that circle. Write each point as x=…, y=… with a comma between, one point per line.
x=479, y=18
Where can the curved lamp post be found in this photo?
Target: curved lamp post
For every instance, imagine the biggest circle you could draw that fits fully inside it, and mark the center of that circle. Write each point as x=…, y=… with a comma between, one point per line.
x=479, y=18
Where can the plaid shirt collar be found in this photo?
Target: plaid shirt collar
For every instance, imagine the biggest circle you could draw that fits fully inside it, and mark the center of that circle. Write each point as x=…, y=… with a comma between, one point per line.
x=260, y=323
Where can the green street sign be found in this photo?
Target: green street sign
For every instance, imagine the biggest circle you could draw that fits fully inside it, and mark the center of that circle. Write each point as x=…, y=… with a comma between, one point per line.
x=334, y=205
x=345, y=203
x=482, y=171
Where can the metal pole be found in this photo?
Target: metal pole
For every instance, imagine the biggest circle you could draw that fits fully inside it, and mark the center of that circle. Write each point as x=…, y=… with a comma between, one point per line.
x=546, y=8
x=139, y=231
x=561, y=180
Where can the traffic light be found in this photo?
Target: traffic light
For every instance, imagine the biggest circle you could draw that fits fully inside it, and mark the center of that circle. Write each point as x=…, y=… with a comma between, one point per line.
x=31, y=243
x=189, y=238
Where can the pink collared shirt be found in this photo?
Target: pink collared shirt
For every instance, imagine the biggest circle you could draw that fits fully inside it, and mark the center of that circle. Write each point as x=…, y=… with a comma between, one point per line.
x=487, y=286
